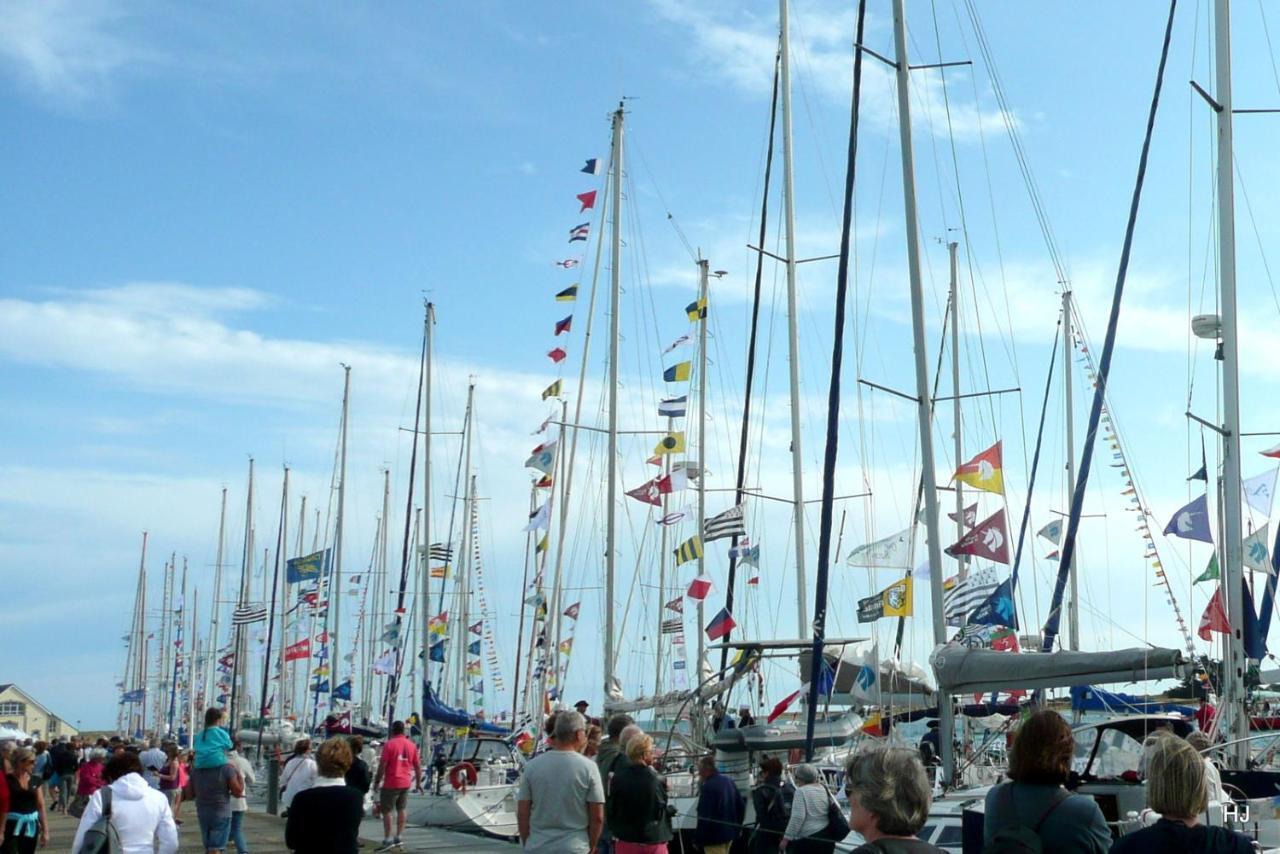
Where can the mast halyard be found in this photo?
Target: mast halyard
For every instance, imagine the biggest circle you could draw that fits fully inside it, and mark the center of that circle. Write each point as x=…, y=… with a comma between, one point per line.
x=946, y=717
x=793, y=336
x=952, y=251
x=611, y=502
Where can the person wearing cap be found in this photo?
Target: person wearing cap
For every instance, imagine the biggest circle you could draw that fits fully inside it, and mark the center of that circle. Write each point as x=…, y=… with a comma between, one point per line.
x=581, y=708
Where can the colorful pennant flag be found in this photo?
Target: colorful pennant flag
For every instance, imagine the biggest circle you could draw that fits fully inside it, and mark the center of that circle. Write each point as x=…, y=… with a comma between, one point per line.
x=1192, y=521
x=564, y=325
x=690, y=549
x=672, y=443
x=588, y=200
x=592, y=167
x=572, y=611
x=557, y=354
x=1273, y=452
x=780, y=709
x=552, y=390
x=1211, y=572
x=699, y=588
x=989, y=539
x=541, y=545
x=1256, y=555
x=647, y=493
x=543, y=457
x=1214, y=618
x=745, y=553
x=673, y=407
x=1052, y=532
x=678, y=373
x=579, y=232
x=676, y=604
x=970, y=515
x=985, y=471
x=721, y=624
x=569, y=294
x=476, y=628
x=893, y=601
x=998, y=609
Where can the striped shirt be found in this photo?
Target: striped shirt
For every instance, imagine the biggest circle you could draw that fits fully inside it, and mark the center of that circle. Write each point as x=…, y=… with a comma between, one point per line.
x=808, y=811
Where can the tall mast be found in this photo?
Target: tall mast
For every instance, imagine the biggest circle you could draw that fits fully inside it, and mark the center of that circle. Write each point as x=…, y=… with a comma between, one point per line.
x=380, y=599
x=424, y=529
x=611, y=501
x=702, y=467
x=1073, y=612
x=662, y=570
x=216, y=606
x=193, y=696
x=556, y=495
x=952, y=249
x=281, y=578
x=793, y=335
x=946, y=717
x=135, y=677
x=334, y=589
x=464, y=562
x=307, y=623
x=276, y=568
x=164, y=700
x=238, y=663
x=1232, y=534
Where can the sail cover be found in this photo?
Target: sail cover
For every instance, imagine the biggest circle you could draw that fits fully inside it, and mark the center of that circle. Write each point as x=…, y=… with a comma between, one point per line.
x=960, y=670
x=1087, y=698
x=435, y=711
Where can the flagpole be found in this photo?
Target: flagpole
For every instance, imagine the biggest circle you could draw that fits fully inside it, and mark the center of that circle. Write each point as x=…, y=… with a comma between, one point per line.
x=554, y=617
x=793, y=336
x=464, y=581
x=958, y=437
x=280, y=578
x=611, y=500
x=334, y=590
x=1073, y=612
x=946, y=718
x=271, y=623
x=293, y=671
x=703, y=309
x=530, y=557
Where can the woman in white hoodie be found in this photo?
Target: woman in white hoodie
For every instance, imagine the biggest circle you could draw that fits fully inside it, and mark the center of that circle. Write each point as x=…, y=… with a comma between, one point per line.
x=139, y=813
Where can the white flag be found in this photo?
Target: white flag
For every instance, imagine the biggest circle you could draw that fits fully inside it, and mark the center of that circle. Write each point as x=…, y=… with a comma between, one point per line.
x=540, y=518
x=890, y=552
x=1256, y=555
x=1052, y=532
x=1259, y=490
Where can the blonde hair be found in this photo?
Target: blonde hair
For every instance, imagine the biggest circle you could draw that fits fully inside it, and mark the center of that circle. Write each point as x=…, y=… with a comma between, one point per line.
x=1176, y=779
x=638, y=746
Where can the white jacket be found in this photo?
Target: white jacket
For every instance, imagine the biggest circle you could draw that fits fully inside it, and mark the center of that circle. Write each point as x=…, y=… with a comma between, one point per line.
x=140, y=814
x=246, y=773
x=299, y=775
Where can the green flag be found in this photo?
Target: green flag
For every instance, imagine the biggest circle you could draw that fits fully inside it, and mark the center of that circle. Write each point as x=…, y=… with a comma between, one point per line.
x=1211, y=572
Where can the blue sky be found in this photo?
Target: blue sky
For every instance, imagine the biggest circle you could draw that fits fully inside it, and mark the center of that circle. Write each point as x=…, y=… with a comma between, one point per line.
x=207, y=209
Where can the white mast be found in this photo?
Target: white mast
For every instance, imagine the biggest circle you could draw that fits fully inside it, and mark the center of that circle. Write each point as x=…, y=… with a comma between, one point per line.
x=212, y=653
x=702, y=466
x=333, y=590
x=1237, y=724
x=946, y=718
x=424, y=530
x=793, y=337
x=611, y=501
x=463, y=564
x=1073, y=611
x=955, y=389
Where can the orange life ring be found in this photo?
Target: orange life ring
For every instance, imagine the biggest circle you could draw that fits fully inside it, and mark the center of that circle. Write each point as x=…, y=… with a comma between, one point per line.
x=462, y=775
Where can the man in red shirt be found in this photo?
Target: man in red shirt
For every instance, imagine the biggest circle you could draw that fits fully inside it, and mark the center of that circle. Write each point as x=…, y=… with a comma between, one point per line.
x=1204, y=715
x=399, y=768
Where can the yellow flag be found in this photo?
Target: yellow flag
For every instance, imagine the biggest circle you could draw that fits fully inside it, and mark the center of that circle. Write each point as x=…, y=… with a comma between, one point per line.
x=697, y=310
x=552, y=390
x=897, y=598
x=985, y=471
x=542, y=544
x=672, y=443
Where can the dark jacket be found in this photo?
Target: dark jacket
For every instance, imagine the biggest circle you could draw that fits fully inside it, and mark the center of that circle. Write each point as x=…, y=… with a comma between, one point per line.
x=720, y=811
x=608, y=752
x=325, y=820
x=358, y=776
x=63, y=759
x=1075, y=825
x=772, y=802
x=636, y=805
x=1175, y=837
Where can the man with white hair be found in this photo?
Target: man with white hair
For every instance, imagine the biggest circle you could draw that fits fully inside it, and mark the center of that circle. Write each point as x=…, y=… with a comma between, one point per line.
x=560, y=801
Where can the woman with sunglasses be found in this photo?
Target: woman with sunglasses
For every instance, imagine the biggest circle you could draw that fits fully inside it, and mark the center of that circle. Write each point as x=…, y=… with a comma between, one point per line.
x=26, y=823
x=889, y=797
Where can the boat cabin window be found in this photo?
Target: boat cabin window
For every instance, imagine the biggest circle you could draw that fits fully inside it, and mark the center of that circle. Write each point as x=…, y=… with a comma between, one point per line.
x=1118, y=752
x=477, y=750
x=1085, y=740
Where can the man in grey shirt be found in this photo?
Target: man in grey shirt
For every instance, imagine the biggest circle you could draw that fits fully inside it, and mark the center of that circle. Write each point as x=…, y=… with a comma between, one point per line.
x=215, y=787
x=560, y=801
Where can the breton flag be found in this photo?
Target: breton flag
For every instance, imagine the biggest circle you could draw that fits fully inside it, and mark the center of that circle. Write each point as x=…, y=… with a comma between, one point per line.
x=697, y=310
x=1192, y=521
x=678, y=373
x=579, y=232
x=569, y=294
x=690, y=549
x=726, y=524
x=295, y=651
x=673, y=626
x=985, y=471
x=588, y=200
x=246, y=614
x=552, y=390
x=673, y=407
x=441, y=551
x=592, y=167
x=557, y=354
x=721, y=624
x=564, y=325
x=989, y=539
x=961, y=597
x=699, y=588
x=672, y=443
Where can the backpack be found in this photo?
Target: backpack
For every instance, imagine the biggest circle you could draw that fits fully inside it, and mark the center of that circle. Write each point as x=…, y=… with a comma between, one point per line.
x=1019, y=838
x=101, y=837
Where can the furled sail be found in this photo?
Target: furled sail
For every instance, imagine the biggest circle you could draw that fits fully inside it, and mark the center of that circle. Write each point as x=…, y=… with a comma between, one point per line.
x=960, y=670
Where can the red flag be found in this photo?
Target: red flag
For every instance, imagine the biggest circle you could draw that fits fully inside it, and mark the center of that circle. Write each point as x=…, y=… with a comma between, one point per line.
x=647, y=493
x=699, y=588
x=544, y=482
x=564, y=325
x=678, y=479
x=755, y=579
x=1214, y=618
x=779, y=709
x=1273, y=452
x=572, y=611
x=985, y=471
x=295, y=651
x=323, y=638
x=557, y=355
x=588, y=200
x=990, y=539
x=655, y=460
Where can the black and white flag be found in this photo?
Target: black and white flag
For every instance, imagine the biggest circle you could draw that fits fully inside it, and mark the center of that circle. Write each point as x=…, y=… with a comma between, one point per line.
x=727, y=524
x=246, y=614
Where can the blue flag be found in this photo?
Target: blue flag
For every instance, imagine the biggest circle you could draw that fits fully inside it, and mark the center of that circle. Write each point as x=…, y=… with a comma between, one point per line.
x=997, y=609
x=307, y=567
x=343, y=691
x=135, y=696
x=436, y=652
x=1192, y=521
x=320, y=688
x=474, y=647
x=826, y=679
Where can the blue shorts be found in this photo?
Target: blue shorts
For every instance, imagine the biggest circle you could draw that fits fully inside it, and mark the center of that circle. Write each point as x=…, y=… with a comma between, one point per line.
x=214, y=831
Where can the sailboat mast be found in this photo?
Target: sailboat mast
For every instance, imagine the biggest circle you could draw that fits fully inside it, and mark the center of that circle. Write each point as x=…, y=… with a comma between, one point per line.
x=702, y=467
x=193, y=696
x=306, y=622
x=334, y=589
x=464, y=563
x=662, y=570
x=1073, y=612
x=424, y=529
x=282, y=554
x=946, y=716
x=238, y=663
x=611, y=501
x=793, y=335
x=212, y=653
x=264, y=698
x=134, y=676
x=952, y=250
x=1232, y=535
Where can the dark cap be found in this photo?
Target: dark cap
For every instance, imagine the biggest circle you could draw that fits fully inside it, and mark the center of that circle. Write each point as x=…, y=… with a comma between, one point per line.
x=582, y=703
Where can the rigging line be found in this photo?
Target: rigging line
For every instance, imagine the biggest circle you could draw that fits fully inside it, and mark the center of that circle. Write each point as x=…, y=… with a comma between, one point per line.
x=638, y=153
x=1262, y=252
x=833, y=400
x=1108, y=348
x=1271, y=53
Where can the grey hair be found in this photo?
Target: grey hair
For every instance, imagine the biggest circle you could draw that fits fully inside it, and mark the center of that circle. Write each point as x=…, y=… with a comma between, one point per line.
x=805, y=774
x=568, y=725
x=629, y=732
x=98, y=753
x=1199, y=740
x=891, y=784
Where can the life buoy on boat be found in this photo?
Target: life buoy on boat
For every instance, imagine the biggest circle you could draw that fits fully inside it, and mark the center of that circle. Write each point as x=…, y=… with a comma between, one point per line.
x=462, y=775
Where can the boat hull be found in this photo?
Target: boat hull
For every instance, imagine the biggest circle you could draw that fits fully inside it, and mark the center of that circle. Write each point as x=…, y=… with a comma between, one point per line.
x=489, y=810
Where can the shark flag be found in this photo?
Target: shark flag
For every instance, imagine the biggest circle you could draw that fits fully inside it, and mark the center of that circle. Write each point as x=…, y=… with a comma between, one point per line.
x=1192, y=521
x=989, y=539
x=985, y=471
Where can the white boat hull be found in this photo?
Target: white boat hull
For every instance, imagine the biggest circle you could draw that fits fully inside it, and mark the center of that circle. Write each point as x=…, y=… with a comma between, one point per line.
x=480, y=809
